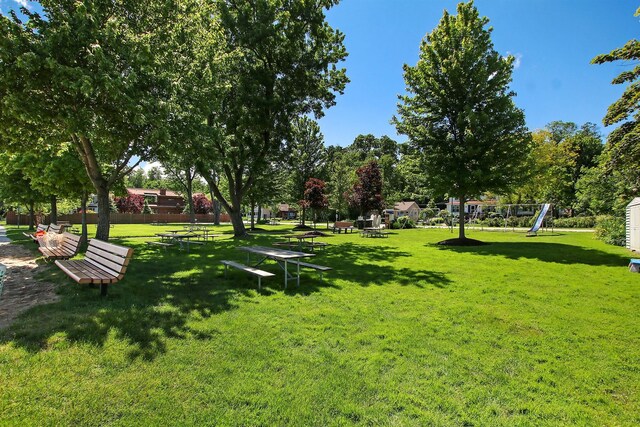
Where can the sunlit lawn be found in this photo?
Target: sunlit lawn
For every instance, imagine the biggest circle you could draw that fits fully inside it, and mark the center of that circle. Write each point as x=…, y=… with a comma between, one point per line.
x=524, y=331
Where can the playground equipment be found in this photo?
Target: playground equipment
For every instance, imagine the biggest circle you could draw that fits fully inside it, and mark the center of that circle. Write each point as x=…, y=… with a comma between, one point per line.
x=536, y=225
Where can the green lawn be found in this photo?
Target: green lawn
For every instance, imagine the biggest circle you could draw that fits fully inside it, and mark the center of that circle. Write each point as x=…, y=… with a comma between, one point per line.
x=524, y=331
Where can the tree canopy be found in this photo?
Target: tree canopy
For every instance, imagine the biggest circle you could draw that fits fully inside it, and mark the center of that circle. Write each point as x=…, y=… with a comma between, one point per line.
x=459, y=111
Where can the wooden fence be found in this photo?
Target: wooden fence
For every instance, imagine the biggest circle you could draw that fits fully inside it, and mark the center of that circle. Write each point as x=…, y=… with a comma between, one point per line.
x=117, y=218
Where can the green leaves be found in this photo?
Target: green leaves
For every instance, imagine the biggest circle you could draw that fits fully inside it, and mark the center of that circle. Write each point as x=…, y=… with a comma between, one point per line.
x=459, y=111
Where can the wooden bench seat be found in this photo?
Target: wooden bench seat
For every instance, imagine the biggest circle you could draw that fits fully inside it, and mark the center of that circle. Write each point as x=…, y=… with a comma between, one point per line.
x=104, y=263
x=251, y=270
x=67, y=247
x=34, y=236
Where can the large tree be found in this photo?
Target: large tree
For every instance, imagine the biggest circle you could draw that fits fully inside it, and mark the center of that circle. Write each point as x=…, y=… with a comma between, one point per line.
x=281, y=64
x=97, y=72
x=459, y=110
x=307, y=157
x=623, y=143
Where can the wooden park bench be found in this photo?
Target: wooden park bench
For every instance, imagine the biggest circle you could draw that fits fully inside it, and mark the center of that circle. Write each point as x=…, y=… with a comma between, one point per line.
x=56, y=228
x=251, y=270
x=67, y=247
x=338, y=226
x=41, y=229
x=104, y=263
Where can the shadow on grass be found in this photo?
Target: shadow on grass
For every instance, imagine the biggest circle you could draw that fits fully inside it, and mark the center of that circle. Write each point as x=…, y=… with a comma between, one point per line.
x=368, y=265
x=542, y=251
x=165, y=293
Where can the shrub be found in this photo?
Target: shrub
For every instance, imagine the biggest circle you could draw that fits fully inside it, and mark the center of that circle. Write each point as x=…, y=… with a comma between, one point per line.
x=403, y=222
x=576, y=222
x=611, y=230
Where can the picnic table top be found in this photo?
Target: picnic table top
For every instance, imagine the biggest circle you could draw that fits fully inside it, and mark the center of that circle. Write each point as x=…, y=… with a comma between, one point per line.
x=177, y=235
x=275, y=253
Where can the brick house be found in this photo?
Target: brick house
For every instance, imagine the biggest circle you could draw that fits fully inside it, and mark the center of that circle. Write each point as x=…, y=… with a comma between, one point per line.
x=161, y=201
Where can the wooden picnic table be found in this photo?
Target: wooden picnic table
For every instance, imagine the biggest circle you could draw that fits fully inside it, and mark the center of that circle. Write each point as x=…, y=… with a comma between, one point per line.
x=177, y=236
x=302, y=238
x=281, y=256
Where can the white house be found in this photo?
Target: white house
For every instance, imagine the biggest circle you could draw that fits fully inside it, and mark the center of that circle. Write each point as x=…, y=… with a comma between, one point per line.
x=471, y=206
x=410, y=209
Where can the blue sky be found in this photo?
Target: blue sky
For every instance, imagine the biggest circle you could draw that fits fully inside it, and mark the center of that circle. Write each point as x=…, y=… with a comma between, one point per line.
x=554, y=41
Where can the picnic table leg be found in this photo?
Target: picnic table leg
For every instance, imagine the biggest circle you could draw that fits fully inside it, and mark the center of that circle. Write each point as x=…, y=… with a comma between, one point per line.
x=286, y=275
x=298, y=263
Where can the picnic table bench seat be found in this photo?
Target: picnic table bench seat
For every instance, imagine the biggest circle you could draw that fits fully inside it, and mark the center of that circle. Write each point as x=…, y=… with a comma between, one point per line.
x=67, y=248
x=251, y=270
x=319, y=268
x=104, y=263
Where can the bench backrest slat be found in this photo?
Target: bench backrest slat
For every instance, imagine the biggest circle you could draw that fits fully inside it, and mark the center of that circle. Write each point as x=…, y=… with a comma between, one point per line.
x=112, y=248
x=55, y=228
x=109, y=257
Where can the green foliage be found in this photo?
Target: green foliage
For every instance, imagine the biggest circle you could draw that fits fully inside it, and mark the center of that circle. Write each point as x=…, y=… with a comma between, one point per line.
x=460, y=112
x=575, y=222
x=404, y=222
x=611, y=229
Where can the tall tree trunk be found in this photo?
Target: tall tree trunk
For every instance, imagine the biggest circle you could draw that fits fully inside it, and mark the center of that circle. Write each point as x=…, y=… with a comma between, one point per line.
x=253, y=207
x=192, y=213
x=83, y=206
x=238, y=224
x=54, y=210
x=32, y=215
x=259, y=212
x=304, y=211
x=461, y=219
x=215, y=205
x=104, y=213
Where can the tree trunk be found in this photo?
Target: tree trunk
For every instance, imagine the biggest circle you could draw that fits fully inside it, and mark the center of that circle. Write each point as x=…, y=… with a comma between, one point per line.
x=252, y=210
x=259, y=212
x=192, y=214
x=461, y=235
x=216, y=212
x=304, y=211
x=104, y=213
x=83, y=206
x=32, y=215
x=54, y=210
x=237, y=222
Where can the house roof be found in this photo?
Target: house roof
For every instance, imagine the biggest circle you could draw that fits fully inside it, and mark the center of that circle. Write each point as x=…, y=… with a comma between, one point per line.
x=284, y=207
x=405, y=206
x=156, y=191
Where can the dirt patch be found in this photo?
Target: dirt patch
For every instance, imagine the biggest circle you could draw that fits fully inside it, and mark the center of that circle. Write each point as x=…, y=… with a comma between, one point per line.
x=21, y=291
x=462, y=242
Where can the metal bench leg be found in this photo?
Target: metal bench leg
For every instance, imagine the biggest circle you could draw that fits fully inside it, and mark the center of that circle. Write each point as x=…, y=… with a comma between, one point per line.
x=103, y=289
x=259, y=283
x=226, y=267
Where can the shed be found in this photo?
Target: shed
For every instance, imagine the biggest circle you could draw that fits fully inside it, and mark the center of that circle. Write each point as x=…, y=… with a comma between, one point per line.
x=633, y=225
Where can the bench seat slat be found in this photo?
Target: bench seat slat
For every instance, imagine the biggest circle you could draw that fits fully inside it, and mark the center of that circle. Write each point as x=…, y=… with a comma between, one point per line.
x=104, y=264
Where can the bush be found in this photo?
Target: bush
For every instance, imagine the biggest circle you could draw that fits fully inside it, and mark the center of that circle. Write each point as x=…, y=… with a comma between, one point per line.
x=611, y=230
x=436, y=221
x=403, y=222
x=576, y=222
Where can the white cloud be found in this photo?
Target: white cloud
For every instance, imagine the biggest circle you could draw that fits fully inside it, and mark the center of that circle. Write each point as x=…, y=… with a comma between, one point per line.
x=517, y=61
x=22, y=3
x=147, y=166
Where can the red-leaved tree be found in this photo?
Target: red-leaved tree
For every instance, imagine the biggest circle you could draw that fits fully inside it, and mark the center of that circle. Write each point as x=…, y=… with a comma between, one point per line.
x=133, y=203
x=366, y=194
x=314, y=196
x=201, y=205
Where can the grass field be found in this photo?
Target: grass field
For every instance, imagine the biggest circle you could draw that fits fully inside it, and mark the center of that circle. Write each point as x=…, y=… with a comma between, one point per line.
x=524, y=331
